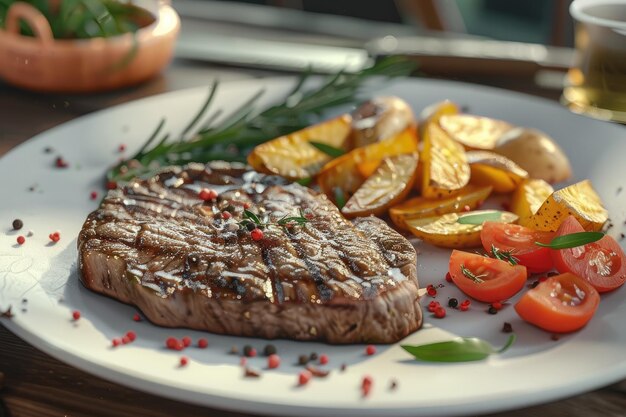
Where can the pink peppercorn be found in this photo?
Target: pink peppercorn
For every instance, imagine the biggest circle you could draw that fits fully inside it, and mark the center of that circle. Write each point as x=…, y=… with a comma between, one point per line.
x=184, y=361
x=323, y=359
x=304, y=377
x=76, y=314
x=21, y=240
x=370, y=350
x=203, y=343
x=366, y=385
x=131, y=336
x=273, y=361
x=186, y=341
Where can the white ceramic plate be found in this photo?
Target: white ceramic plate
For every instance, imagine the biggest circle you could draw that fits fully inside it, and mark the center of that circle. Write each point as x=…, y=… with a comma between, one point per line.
x=536, y=369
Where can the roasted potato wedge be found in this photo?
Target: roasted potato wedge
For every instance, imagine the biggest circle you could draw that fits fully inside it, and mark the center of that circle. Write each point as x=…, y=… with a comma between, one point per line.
x=469, y=198
x=341, y=177
x=445, y=170
x=579, y=200
x=535, y=152
x=434, y=112
x=380, y=118
x=474, y=132
x=293, y=157
x=391, y=182
x=489, y=168
x=447, y=232
x=529, y=196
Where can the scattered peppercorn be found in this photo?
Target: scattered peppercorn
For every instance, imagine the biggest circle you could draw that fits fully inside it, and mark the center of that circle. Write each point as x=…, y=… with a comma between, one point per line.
x=126, y=340
x=17, y=224
x=440, y=313
x=370, y=350
x=497, y=305
x=250, y=226
x=304, y=377
x=256, y=234
x=131, y=335
x=269, y=350
x=76, y=315
x=203, y=343
x=226, y=215
x=313, y=356
x=393, y=385
x=303, y=359
x=249, y=351
x=21, y=240
x=273, y=361
x=448, y=277
x=184, y=361
x=30, y=233
x=207, y=194
x=186, y=341
x=48, y=149
x=136, y=317
x=507, y=328
x=431, y=290
x=433, y=305
x=55, y=237
x=116, y=342
x=60, y=162
x=323, y=359
x=366, y=385
x=453, y=303
x=492, y=310
x=343, y=367
x=93, y=195
x=121, y=148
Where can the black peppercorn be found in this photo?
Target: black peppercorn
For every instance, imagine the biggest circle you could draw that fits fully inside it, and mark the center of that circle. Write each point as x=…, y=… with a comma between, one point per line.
x=303, y=360
x=250, y=226
x=247, y=350
x=507, y=328
x=269, y=350
x=492, y=310
x=17, y=224
x=453, y=303
x=313, y=356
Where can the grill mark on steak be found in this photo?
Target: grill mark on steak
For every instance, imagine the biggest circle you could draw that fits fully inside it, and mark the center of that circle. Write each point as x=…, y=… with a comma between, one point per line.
x=156, y=245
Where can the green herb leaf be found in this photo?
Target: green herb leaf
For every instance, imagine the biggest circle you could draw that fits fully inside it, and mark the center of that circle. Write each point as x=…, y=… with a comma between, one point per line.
x=305, y=181
x=469, y=274
x=251, y=216
x=572, y=240
x=504, y=255
x=340, y=198
x=479, y=219
x=327, y=149
x=462, y=349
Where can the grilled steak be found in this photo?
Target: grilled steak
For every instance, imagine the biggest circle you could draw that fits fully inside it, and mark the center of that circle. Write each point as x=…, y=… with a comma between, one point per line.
x=157, y=245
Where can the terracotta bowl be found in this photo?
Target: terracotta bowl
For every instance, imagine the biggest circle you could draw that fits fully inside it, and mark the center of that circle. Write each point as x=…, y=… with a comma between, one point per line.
x=43, y=63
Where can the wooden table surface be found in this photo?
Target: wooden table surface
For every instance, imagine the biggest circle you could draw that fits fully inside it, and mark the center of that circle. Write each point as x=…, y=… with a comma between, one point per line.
x=33, y=384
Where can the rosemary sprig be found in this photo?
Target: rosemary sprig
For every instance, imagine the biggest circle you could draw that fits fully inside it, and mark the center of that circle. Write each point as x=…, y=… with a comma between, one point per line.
x=504, y=255
x=285, y=221
x=469, y=274
x=234, y=135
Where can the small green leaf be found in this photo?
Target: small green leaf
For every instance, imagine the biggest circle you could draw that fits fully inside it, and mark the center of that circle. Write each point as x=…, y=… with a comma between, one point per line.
x=572, y=240
x=250, y=215
x=479, y=219
x=327, y=149
x=340, y=198
x=461, y=349
x=504, y=255
x=305, y=181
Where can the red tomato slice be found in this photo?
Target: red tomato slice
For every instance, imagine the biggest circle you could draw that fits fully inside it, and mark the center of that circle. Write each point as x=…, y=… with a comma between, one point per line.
x=520, y=241
x=500, y=280
x=601, y=263
x=560, y=304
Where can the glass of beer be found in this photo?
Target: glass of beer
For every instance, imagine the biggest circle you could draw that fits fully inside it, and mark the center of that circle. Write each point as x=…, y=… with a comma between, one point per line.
x=596, y=84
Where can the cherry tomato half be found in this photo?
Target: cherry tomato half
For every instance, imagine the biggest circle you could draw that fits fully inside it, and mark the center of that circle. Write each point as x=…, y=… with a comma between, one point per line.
x=494, y=280
x=520, y=241
x=601, y=263
x=561, y=304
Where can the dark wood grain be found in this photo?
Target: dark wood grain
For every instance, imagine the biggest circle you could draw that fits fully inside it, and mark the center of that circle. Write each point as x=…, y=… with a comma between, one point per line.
x=37, y=385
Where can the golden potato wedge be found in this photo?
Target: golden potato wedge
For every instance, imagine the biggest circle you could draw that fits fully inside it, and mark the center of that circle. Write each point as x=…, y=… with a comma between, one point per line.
x=391, y=182
x=489, y=168
x=474, y=132
x=434, y=112
x=293, y=157
x=579, y=200
x=445, y=170
x=341, y=177
x=380, y=118
x=469, y=198
x=447, y=232
x=535, y=152
x=529, y=196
